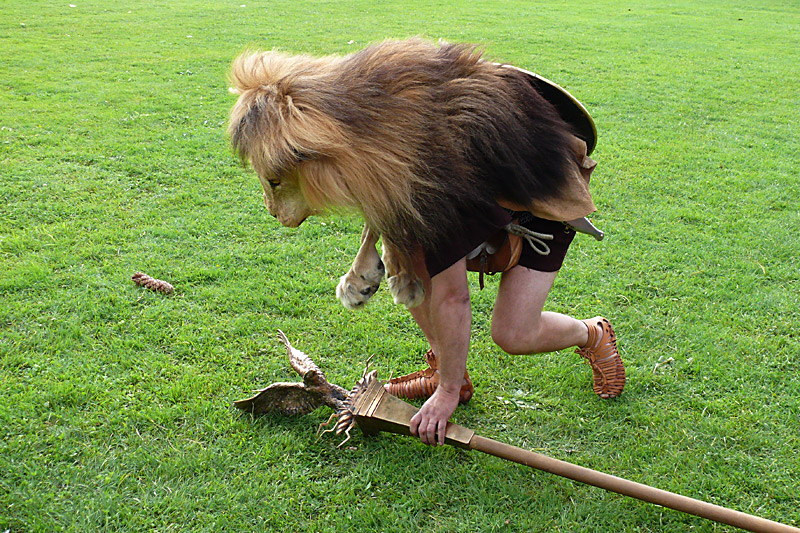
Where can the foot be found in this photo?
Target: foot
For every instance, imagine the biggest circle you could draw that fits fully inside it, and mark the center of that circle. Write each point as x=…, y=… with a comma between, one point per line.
x=422, y=383
x=356, y=288
x=406, y=289
x=602, y=355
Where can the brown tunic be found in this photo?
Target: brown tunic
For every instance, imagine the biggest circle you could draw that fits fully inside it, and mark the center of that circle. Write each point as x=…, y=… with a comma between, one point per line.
x=575, y=202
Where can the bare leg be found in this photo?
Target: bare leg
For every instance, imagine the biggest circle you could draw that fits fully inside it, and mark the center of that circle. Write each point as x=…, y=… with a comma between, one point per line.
x=519, y=326
x=421, y=313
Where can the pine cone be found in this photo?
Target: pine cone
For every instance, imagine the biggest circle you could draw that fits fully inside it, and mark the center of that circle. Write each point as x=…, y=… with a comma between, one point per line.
x=153, y=284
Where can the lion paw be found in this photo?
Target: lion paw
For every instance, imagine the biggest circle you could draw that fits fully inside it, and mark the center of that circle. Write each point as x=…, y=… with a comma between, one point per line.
x=406, y=290
x=354, y=290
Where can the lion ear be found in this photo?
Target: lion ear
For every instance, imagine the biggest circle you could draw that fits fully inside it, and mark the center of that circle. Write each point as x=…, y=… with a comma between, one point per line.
x=264, y=82
x=245, y=126
x=239, y=132
x=257, y=116
x=263, y=108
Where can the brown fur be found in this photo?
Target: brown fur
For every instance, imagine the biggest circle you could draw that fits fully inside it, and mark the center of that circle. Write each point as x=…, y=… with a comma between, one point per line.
x=413, y=135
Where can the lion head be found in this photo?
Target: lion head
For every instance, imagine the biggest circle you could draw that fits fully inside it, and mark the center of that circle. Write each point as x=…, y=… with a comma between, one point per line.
x=414, y=136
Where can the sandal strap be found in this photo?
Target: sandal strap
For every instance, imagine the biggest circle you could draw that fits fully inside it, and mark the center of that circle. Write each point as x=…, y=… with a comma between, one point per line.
x=422, y=383
x=602, y=355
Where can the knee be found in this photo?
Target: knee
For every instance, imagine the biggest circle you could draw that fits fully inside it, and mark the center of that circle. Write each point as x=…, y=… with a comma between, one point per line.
x=453, y=293
x=512, y=340
x=516, y=339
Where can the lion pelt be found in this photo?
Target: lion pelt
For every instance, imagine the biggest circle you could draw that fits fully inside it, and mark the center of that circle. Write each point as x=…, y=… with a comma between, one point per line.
x=414, y=135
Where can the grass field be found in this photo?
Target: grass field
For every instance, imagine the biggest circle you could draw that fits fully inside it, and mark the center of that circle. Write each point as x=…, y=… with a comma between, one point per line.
x=115, y=402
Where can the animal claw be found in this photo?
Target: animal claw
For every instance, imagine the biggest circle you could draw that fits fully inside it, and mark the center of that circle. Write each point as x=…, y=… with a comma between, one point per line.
x=366, y=368
x=346, y=432
x=319, y=429
x=326, y=431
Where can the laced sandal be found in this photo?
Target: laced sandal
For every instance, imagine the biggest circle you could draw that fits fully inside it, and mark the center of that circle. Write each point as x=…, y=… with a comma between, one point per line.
x=422, y=383
x=602, y=355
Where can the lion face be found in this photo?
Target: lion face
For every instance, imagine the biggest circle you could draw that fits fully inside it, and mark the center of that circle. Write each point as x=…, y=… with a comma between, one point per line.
x=284, y=198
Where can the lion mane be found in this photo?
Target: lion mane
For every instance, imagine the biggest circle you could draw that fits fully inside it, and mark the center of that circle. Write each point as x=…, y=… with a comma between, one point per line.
x=414, y=135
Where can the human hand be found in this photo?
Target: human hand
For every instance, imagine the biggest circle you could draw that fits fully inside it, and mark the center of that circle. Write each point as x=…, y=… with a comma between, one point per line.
x=430, y=422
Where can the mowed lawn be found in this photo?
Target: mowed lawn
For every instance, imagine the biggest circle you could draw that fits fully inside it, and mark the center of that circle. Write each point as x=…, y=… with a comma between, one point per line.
x=115, y=401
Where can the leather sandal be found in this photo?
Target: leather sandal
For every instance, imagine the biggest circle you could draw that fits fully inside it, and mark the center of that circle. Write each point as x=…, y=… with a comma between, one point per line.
x=422, y=383
x=602, y=355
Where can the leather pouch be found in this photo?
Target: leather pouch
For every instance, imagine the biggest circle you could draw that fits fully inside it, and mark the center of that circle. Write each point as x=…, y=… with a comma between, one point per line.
x=497, y=254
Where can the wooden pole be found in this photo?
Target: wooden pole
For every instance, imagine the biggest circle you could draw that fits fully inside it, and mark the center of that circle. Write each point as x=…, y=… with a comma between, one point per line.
x=629, y=488
x=376, y=410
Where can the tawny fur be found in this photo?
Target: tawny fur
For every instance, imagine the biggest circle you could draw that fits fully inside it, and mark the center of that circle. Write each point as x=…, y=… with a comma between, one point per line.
x=364, y=277
x=413, y=135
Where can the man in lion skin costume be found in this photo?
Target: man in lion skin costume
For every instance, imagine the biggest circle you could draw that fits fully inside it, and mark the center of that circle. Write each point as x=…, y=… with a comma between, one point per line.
x=440, y=151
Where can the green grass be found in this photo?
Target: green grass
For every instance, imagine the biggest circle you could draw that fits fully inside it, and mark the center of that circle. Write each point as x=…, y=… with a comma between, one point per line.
x=116, y=401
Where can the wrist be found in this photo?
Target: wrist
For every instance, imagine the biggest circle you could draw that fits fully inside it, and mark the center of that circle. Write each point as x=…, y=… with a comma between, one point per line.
x=450, y=389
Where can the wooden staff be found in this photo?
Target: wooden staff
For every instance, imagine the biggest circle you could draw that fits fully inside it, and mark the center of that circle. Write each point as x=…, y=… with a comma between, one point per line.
x=376, y=410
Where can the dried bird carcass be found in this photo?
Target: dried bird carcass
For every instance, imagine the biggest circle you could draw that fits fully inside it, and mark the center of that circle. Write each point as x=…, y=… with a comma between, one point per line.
x=314, y=392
